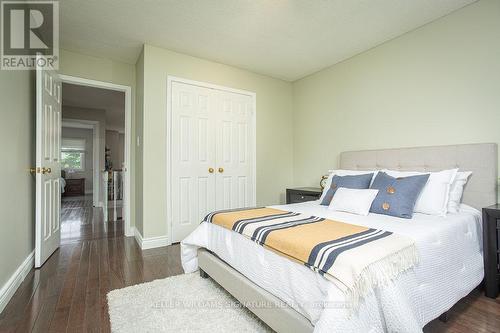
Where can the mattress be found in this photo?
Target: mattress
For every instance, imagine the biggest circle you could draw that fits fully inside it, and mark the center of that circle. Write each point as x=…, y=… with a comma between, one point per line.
x=450, y=266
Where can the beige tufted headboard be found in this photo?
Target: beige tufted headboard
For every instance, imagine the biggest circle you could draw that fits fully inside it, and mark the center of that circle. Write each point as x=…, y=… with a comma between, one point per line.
x=481, y=159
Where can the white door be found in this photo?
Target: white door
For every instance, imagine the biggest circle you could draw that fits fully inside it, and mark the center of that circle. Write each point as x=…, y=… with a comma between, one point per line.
x=212, y=153
x=48, y=169
x=234, y=181
x=193, y=157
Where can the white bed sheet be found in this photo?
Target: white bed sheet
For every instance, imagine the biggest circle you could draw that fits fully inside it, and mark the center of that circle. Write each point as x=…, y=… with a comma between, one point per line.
x=450, y=266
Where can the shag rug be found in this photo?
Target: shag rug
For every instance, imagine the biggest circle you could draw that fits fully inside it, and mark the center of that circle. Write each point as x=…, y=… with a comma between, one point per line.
x=182, y=303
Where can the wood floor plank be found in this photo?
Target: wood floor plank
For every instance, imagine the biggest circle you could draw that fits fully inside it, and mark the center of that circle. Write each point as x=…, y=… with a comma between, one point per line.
x=104, y=285
x=92, y=305
x=55, y=281
x=77, y=309
x=61, y=314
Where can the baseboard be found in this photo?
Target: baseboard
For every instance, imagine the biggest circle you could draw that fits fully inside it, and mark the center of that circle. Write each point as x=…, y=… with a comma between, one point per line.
x=138, y=237
x=150, y=243
x=130, y=232
x=10, y=287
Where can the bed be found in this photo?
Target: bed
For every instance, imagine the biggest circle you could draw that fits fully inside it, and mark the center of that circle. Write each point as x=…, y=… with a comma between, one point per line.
x=291, y=298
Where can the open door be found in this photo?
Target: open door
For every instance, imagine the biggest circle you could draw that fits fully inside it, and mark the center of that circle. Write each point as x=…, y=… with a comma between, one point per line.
x=48, y=166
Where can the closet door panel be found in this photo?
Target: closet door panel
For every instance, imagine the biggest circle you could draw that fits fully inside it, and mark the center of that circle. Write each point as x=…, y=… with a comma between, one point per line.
x=193, y=153
x=234, y=168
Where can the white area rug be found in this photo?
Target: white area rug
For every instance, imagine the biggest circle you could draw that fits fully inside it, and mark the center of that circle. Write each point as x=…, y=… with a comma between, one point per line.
x=183, y=303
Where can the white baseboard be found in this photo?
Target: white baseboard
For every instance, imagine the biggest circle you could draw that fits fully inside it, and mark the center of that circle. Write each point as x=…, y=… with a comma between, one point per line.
x=10, y=287
x=150, y=243
x=130, y=232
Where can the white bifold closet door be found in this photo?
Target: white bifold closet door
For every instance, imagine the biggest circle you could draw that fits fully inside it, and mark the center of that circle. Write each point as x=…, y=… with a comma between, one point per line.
x=212, y=153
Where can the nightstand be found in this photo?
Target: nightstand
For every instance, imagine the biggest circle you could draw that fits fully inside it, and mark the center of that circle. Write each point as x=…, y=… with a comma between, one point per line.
x=302, y=194
x=74, y=187
x=491, y=252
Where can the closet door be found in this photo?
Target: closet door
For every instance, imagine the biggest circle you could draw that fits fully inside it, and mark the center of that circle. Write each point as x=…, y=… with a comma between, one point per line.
x=234, y=181
x=193, y=155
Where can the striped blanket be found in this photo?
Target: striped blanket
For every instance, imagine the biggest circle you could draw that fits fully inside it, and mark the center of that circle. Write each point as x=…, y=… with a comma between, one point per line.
x=356, y=258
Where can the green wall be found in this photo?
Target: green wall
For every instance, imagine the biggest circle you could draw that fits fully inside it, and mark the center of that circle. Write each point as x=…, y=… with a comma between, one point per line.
x=439, y=84
x=139, y=70
x=274, y=128
x=17, y=141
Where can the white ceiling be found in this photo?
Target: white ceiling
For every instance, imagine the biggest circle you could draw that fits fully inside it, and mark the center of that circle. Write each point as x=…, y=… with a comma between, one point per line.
x=112, y=102
x=286, y=39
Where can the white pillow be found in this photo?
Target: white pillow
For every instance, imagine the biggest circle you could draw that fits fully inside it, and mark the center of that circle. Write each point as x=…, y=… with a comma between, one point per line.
x=457, y=190
x=342, y=172
x=352, y=200
x=433, y=199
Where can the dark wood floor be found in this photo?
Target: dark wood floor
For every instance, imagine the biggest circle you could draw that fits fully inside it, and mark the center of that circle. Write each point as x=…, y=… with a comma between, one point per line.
x=68, y=294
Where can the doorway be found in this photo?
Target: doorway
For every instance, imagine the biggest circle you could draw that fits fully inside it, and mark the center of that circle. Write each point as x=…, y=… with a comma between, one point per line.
x=104, y=109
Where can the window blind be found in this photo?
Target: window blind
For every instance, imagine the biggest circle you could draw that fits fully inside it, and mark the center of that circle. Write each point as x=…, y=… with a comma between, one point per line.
x=73, y=144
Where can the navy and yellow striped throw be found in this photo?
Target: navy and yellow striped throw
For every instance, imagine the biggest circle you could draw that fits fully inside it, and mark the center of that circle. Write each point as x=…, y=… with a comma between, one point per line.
x=358, y=257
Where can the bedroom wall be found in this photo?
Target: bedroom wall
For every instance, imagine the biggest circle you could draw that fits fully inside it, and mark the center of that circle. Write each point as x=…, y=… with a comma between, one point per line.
x=17, y=144
x=139, y=114
x=96, y=68
x=116, y=148
x=439, y=84
x=88, y=173
x=274, y=128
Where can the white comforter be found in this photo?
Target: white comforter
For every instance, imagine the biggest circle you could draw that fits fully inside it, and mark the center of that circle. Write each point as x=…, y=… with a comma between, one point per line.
x=451, y=265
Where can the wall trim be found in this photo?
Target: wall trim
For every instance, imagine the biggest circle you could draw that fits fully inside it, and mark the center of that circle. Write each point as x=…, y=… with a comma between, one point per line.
x=150, y=243
x=10, y=287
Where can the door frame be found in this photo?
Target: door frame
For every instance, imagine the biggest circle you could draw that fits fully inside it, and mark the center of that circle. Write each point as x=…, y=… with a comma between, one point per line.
x=128, y=135
x=96, y=160
x=253, y=141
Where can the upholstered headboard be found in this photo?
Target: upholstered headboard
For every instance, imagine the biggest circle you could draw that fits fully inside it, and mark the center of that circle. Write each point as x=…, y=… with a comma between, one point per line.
x=481, y=159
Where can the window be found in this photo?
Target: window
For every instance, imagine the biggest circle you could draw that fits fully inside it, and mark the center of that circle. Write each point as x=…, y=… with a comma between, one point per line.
x=73, y=154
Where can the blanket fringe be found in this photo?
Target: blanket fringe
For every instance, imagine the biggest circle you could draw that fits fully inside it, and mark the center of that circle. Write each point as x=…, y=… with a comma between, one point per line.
x=381, y=273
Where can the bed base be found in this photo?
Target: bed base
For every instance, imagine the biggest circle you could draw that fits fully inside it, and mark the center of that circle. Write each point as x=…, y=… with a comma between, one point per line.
x=279, y=316
x=270, y=309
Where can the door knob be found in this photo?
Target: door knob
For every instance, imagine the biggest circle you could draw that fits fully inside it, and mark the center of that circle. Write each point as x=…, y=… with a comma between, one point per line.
x=221, y=170
x=46, y=170
x=211, y=170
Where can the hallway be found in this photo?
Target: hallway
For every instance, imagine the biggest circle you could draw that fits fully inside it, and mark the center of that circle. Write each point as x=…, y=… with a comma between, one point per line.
x=68, y=294
x=80, y=221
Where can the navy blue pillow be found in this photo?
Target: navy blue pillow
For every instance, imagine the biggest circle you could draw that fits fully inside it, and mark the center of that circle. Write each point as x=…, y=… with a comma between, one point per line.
x=397, y=196
x=355, y=181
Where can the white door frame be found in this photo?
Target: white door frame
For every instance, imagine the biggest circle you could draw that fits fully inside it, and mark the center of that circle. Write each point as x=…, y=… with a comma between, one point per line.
x=96, y=160
x=128, y=134
x=253, y=152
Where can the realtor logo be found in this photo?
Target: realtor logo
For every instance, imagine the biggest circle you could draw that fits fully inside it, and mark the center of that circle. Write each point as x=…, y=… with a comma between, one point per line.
x=29, y=28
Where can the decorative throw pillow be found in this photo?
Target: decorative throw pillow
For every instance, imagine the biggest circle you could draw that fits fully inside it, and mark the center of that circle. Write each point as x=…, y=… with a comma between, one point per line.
x=355, y=181
x=342, y=172
x=435, y=195
x=352, y=200
x=397, y=196
x=457, y=190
